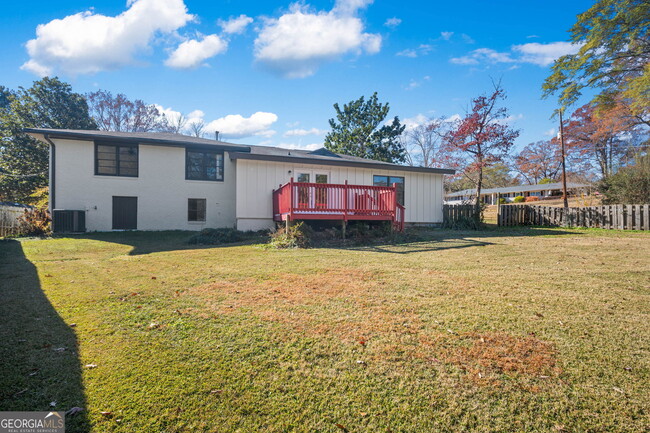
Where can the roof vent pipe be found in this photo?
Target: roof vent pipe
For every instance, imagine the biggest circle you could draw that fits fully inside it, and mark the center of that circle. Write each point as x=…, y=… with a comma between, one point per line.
x=216, y=135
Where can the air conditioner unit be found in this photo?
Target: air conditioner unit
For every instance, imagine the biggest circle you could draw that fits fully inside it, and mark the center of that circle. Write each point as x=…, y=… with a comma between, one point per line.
x=68, y=221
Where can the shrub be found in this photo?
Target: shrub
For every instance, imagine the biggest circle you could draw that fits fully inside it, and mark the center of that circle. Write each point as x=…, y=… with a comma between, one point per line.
x=35, y=222
x=463, y=223
x=532, y=198
x=361, y=230
x=502, y=200
x=296, y=236
x=631, y=185
x=519, y=199
x=218, y=236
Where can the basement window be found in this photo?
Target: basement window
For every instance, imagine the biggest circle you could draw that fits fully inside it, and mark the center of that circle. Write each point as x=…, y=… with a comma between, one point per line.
x=196, y=209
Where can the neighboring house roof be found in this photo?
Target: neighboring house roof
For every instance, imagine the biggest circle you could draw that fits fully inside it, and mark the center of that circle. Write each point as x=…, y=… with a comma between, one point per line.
x=237, y=151
x=518, y=188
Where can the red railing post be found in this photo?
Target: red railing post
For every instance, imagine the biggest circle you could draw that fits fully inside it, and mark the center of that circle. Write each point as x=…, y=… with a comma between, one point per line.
x=394, y=202
x=345, y=201
x=291, y=198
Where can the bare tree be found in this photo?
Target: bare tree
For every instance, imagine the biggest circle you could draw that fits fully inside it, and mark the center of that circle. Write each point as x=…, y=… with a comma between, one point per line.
x=424, y=143
x=119, y=113
x=176, y=124
x=197, y=128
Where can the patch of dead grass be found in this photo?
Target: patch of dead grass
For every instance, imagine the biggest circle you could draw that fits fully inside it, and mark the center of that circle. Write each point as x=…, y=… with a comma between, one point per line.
x=347, y=305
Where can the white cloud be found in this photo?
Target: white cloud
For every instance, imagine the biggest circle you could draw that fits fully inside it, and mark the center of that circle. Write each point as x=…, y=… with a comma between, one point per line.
x=195, y=115
x=415, y=121
x=237, y=126
x=192, y=53
x=235, y=25
x=446, y=35
x=292, y=146
x=173, y=115
x=298, y=42
x=303, y=132
x=467, y=38
x=533, y=53
x=545, y=54
x=483, y=55
x=392, y=22
x=86, y=42
x=414, y=84
x=551, y=132
x=511, y=119
x=421, y=50
x=421, y=119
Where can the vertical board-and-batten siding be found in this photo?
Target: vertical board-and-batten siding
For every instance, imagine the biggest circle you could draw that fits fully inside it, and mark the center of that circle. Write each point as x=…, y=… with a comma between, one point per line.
x=256, y=181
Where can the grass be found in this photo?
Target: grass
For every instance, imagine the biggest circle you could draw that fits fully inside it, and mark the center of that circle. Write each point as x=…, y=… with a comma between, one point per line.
x=498, y=330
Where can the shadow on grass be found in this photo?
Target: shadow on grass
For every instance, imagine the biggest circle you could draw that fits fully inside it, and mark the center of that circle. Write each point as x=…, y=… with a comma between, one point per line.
x=413, y=241
x=427, y=240
x=147, y=242
x=39, y=356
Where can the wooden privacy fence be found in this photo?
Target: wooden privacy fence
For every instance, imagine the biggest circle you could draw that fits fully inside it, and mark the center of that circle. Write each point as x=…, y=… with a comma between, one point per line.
x=10, y=220
x=453, y=213
x=618, y=216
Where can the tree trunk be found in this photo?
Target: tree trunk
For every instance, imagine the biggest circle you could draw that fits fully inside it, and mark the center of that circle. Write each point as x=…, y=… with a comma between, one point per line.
x=479, y=185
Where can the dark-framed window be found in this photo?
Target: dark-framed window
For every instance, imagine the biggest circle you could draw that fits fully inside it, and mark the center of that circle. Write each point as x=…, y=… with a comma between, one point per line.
x=116, y=159
x=389, y=181
x=203, y=165
x=196, y=209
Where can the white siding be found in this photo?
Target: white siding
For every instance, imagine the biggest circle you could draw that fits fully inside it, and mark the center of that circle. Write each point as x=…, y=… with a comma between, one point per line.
x=256, y=181
x=161, y=188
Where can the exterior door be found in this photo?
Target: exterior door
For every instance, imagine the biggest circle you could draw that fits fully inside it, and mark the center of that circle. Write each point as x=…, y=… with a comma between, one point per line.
x=321, y=192
x=125, y=213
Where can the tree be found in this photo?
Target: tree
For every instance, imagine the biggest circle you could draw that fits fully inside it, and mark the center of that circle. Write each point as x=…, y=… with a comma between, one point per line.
x=614, y=56
x=495, y=176
x=197, y=128
x=424, y=143
x=49, y=103
x=119, y=113
x=599, y=141
x=631, y=185
x=482, y=138
x=356, y=131
x=538, y=161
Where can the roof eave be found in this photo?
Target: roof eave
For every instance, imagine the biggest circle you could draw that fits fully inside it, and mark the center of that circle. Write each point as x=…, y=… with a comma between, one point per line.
x=338, y=162
x=37, y=133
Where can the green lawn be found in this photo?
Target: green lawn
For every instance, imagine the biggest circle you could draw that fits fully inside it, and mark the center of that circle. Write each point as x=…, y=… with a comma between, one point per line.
x=505, y=331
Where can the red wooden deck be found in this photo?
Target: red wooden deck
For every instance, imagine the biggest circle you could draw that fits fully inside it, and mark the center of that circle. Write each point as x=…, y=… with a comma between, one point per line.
x=326, y=201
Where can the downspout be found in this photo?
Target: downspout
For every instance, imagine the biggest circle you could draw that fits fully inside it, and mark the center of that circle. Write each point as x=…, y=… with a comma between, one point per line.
x=52, y=173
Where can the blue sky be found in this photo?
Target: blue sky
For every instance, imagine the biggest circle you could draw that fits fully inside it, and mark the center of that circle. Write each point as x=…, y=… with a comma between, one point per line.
x=268, y=72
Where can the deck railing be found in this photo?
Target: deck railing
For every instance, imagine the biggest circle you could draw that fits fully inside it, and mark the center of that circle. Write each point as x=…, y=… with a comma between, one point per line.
x=302, y=200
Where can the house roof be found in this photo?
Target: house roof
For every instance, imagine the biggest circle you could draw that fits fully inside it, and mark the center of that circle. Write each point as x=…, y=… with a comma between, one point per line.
x=236, y=151
x=517, y=188
x=156, y=138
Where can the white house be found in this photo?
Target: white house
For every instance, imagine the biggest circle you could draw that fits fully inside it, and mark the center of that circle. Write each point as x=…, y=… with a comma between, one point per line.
x=489, y=195
x=101, y=181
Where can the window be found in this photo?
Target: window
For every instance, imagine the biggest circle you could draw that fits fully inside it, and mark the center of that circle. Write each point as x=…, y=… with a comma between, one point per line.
x=196, y=209
x=389, y=181
x=116, y=159
x=303, y=177
x=203, y=165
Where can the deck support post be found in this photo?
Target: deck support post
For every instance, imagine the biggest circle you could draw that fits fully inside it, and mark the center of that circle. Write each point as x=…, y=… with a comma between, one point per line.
x=343, y=227
x=287, y=224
